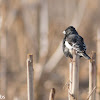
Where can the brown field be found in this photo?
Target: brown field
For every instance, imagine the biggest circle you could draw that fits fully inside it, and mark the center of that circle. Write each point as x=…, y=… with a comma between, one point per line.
x=35, y=27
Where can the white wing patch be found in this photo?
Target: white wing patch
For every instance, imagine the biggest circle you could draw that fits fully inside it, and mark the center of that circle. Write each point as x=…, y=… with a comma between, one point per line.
x=68, y=45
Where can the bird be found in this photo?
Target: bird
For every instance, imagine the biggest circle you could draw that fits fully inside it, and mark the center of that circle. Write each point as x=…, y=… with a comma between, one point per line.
x=73, y=41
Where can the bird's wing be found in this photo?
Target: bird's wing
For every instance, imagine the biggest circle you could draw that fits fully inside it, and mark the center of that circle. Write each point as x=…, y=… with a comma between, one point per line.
x=67, y=53
x=76, y=42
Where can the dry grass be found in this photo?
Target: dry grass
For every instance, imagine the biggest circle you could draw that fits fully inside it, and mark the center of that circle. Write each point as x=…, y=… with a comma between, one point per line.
x=20, y=35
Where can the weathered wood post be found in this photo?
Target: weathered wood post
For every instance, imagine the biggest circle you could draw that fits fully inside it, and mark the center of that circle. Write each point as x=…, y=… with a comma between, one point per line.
x=70, y=80
x=74, y=77
x=92, y=77
x=98, y=65
x=30, y=77
x=52, y=94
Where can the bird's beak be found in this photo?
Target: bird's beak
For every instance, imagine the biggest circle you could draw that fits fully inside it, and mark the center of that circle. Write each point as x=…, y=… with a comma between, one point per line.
x=64, y=32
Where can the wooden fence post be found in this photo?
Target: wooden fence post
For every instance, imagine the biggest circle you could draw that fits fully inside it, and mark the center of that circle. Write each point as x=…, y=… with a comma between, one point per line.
x=52, y=94
x=30, y=77
x=92, y=77
x=98, y=65
x=74, y=77
x=70, y=80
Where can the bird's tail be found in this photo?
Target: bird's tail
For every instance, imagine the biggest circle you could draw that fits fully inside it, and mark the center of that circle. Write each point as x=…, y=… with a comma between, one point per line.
x=85, y=55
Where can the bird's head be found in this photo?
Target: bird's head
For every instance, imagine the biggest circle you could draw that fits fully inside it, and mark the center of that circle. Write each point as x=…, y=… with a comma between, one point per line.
x=70, y=30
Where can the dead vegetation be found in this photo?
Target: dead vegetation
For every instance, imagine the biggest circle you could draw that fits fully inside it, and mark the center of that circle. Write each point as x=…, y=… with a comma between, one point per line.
x=35, y=26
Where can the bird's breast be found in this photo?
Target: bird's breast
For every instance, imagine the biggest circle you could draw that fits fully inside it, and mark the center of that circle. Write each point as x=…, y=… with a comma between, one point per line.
x=68, y=45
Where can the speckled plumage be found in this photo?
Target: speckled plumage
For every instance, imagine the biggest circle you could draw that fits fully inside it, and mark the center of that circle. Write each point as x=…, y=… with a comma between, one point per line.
x=73, y=40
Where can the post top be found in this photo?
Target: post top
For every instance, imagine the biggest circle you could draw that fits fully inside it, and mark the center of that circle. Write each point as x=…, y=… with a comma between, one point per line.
x=30, y=57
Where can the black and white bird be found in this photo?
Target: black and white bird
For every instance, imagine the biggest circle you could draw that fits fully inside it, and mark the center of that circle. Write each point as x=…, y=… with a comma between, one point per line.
x=73, y=40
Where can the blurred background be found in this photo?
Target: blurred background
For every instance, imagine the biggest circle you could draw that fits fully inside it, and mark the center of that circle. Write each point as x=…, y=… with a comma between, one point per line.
x=35, y=26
